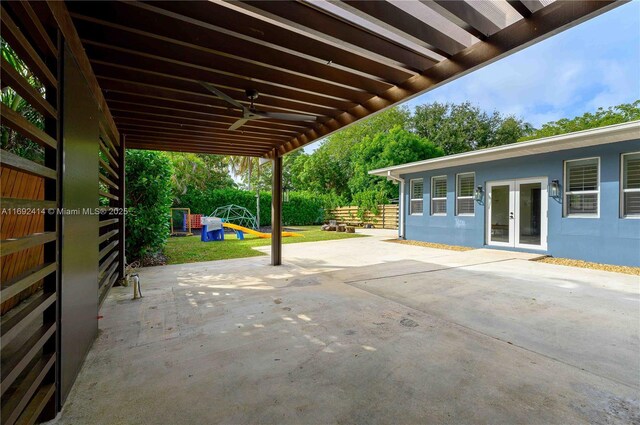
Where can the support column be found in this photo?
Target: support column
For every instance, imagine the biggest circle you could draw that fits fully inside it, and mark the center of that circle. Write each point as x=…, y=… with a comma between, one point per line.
x=276, y=210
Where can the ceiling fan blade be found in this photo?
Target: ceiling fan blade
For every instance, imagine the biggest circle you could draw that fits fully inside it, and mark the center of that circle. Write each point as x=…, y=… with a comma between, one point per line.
x=285, y=116
x=222, y=95
x=236, y=125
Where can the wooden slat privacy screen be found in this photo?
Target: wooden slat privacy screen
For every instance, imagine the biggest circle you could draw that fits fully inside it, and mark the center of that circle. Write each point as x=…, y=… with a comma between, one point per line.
x=29, y=245
x=111, y=160
x=386, y=218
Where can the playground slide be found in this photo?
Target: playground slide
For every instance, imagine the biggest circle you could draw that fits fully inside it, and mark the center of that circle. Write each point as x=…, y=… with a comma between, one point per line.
x=255, y=232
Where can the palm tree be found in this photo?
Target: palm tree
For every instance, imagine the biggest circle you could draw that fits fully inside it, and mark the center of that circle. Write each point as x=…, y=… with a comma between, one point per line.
x=242, y=167
x=9, y=139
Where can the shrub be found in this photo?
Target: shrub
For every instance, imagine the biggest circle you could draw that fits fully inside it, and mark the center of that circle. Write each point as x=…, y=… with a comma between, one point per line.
x=302, y=208
x=148, y=199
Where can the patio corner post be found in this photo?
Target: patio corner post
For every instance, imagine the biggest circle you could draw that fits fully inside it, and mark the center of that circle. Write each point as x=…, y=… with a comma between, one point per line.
x=276, y=211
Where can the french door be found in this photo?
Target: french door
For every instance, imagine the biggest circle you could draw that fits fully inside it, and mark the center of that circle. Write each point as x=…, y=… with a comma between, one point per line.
x=517, y=213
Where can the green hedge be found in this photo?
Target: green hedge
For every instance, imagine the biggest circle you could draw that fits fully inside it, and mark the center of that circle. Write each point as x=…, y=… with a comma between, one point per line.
x=148, y=199
x=302, y=208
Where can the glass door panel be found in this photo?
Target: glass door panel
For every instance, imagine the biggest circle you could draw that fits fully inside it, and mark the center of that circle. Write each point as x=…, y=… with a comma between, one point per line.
x=500, y=214
x=530, y=213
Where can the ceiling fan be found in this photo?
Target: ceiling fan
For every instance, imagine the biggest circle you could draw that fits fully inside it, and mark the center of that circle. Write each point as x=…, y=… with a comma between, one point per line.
x=251, y=113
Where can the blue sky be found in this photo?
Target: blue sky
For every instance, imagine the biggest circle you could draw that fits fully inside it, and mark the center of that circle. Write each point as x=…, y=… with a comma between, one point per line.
x=593, y=64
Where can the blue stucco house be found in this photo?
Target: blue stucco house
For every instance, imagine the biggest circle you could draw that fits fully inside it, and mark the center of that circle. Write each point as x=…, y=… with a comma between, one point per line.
x=572, y=196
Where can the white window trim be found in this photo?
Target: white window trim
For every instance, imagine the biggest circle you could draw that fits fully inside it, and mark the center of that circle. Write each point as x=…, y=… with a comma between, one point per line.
x=411, y=198
x=438, y=199
x=623, y=190
x=465, y=197
x=566, y=194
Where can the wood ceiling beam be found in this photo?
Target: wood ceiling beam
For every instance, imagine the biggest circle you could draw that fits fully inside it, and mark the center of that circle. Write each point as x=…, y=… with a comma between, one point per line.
x=219, y=146
x=220, y=107
x=520, y=8
x=310, y=20
x=213, y=144
x=300, y=18
x=245, y=71
x=121, y=102
x=257, y=29
x=248, y=128
x=182, y=85
x=169, y=147
x=444, y=13
x=183, y=46
x=177, y=130
x=114, y=88
x=467, y=13
x=114, y=64
x=398, y=19
x=189, y=115
x=548, y=21
x=196, y=137
x=115, y=92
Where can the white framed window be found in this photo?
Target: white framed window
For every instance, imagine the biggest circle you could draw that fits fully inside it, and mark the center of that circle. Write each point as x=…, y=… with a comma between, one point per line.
x=582, y=187
x=417, y=195
x=465, y=203
x=439, y=195
x=630, y=185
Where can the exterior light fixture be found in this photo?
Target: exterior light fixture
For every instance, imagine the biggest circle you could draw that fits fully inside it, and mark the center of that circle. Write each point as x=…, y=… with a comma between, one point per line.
x=286, y=195
x=477, y=194
x=554, y=189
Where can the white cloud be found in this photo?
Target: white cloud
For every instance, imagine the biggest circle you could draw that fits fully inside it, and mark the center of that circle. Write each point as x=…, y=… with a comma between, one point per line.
x=596, y=64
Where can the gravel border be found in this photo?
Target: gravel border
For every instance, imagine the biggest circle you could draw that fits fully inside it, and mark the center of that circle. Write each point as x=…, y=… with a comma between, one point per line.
x=588, y=265
x=430, y=245
x=549, y=260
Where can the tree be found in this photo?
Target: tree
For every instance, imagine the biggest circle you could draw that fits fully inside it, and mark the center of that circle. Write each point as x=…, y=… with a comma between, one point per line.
x=243, y=167
x=395, y=147
x=613, y=115
x=463, y=127
x=296, y=170
x=511, y=130
x=329, y=169
x=263, y=179
x=198, y=172
x=11, y=140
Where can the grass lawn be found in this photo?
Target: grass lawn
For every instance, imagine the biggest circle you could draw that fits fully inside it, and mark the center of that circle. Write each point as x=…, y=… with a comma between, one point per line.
x=190, y=249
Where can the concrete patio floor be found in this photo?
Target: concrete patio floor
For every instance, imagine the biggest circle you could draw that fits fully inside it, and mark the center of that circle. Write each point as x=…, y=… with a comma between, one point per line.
x=362, y=331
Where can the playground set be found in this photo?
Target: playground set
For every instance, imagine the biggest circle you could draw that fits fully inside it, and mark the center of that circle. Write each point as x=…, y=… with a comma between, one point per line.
x=181, y=222
x=233, y=217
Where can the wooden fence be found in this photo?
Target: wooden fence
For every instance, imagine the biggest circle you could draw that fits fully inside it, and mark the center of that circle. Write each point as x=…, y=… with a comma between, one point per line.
x=18, y=185
x=387, y=217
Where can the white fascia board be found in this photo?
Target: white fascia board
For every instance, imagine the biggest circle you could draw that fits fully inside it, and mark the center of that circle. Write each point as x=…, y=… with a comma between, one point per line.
x=580, y=139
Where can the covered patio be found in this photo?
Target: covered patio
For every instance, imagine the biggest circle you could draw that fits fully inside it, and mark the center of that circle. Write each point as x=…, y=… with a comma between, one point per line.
x=248, y=78
x=363, y=331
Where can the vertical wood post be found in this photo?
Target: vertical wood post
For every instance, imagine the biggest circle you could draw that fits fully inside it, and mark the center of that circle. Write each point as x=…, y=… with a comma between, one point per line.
x=401, y=210
x=276, y=211
x=384, y=216
x=53, y=223
x=121, y=207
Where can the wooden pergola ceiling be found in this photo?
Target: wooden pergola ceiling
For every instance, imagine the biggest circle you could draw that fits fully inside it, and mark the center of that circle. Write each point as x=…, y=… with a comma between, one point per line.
x=337, y=61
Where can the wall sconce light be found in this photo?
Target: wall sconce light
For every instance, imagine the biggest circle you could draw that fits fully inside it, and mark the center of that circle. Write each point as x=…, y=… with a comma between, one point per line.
x=286, y=195
x=477, y=194
x=554, y=189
